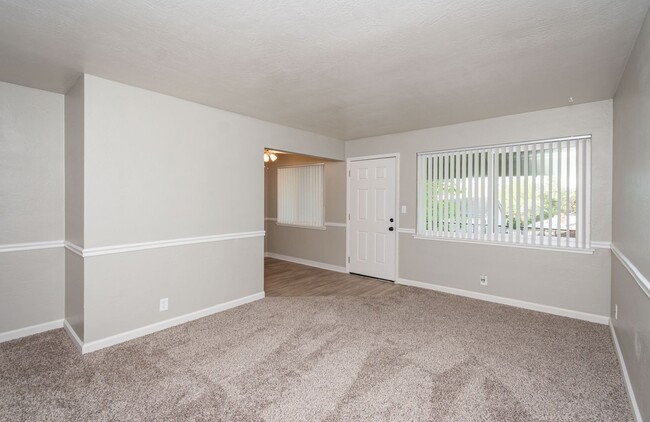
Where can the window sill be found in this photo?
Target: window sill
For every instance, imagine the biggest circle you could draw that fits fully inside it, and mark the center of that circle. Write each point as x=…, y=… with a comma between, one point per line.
x=298, y=226
x=588, y=251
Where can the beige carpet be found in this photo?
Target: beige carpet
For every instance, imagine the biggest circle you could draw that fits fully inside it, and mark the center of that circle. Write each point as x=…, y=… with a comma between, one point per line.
x=411, y=355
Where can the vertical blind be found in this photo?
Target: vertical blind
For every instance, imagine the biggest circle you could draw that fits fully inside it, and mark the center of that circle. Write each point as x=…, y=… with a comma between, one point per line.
x=300, y=195
x=534, y=193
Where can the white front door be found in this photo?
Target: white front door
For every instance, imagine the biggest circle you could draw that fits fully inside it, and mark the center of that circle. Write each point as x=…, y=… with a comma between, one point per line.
x=373, y=219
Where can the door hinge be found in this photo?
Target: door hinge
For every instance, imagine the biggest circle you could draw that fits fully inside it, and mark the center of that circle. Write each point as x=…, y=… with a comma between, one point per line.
x=349, y=173
x=348, y=259
x=348, y=216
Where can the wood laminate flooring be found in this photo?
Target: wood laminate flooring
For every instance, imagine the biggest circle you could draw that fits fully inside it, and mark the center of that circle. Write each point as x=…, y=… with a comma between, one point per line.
x=286, y=279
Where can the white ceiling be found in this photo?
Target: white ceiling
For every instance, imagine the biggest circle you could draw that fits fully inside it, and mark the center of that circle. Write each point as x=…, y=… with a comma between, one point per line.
x=347, y=69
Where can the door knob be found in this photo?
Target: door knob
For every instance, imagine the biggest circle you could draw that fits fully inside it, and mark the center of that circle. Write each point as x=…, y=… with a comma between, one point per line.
x=391, y=220
x=390, y=229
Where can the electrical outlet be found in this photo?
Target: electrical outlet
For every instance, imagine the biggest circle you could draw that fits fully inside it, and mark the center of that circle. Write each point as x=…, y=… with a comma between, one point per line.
x=164, y=304
x=483, y=280
x=615, y=311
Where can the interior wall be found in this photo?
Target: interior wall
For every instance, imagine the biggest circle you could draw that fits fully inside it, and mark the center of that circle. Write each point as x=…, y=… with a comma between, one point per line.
x=631, y=232
x=74, y=163
x=321, y=246
x=74, y=205
x=158, y=168
x=31, y=206
x=570, y=281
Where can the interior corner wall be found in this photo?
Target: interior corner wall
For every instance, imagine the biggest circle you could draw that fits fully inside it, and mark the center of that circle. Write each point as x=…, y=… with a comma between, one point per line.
x=318, y=246
x=159, y=169
x=31, y=207
x=631, y=231
x=570, y=281
x=74, y=205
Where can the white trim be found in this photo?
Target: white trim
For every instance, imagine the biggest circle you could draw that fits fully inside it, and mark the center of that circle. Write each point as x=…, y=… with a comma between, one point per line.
x=507, y=244
x=600, y=245
x=599, y=319
x=74, y=248
x=308, y=262
x=347, y=215
x=31, y=330
x=395, y=155
x=298, y=226
x=373, y=157
x=641, y=280
x=626, y=377
x=16, y=247
x=105, y=250
x=158, y=326
x=302, y=165
x=407, y=231
x=327, y=224
x=594, y=244
x=73, y=336
x=508, y=144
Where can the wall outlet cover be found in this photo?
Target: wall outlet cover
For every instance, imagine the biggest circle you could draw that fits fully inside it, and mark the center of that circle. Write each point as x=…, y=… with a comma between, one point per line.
x=164, y=304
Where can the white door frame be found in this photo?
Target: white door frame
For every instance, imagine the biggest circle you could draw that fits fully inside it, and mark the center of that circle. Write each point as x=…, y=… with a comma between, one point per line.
x=347, y=207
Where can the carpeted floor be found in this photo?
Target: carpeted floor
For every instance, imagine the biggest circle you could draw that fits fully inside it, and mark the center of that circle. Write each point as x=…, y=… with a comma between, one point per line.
x=409, y=355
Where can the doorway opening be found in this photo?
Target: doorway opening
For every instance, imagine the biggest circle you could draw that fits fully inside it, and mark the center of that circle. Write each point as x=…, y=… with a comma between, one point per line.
x=305, y=210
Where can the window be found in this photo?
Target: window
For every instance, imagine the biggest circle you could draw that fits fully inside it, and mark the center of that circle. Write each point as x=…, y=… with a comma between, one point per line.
x=300, y=196
x=532, y=193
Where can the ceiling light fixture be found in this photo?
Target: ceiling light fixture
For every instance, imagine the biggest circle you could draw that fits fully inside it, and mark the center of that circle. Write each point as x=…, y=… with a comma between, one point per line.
x=269, y=156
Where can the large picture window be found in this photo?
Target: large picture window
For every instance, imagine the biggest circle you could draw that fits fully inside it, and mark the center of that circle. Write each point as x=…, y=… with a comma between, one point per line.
x=532, y=193
x=300, y=196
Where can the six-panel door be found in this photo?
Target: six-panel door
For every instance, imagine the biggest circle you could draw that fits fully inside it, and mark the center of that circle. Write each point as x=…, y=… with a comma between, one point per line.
x=373, y=222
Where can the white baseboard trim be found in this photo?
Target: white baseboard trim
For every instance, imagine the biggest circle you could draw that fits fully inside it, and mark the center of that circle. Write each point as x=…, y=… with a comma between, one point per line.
x=626, y=377
x=158, y=326
x=31, y=330
x=599, y=319
x=73, y=336
x=306, y=262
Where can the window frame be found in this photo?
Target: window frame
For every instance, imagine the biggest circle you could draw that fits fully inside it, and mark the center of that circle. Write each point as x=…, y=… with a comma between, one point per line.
x=322, y=225
x=583, y=164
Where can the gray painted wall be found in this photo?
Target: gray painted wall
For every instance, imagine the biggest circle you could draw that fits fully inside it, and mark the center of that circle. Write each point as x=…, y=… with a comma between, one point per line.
x=74, y=204
x=31, y=205
x=32, y=288
x=31, y=165
x=160, y=168
x=325, y=246
x=123, y=290
x=631, y=205
x=632, y=329
x=74, y=292
x=568, y=280
x=74, y=163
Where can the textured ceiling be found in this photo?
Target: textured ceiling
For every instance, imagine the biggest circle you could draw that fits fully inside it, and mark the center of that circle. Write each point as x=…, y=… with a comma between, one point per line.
x=347, y=69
